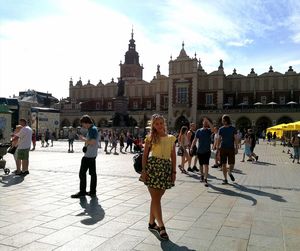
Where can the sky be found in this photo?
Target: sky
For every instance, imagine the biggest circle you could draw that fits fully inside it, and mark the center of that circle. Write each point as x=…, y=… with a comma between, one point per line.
x=43, y=43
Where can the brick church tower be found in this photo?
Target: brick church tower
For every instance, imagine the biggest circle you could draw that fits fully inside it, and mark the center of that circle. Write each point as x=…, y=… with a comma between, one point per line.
x=131, y=69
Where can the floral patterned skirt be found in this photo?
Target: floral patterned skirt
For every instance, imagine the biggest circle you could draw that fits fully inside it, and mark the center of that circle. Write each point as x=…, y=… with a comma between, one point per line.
x=159, y=173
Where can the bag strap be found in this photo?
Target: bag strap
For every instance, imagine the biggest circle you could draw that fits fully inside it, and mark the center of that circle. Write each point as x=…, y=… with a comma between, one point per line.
x=149, y=150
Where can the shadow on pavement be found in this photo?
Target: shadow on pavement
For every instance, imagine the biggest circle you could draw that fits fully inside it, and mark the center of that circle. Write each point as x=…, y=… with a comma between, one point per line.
x=10, y=180
x=169, y=245
x=261, y=163
x=238, y=171
x=92, y=209
x=233, y=193
x=259, y=192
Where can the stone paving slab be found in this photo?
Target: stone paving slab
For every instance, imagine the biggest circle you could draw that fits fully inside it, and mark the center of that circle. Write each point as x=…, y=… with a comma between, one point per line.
x=260, y=211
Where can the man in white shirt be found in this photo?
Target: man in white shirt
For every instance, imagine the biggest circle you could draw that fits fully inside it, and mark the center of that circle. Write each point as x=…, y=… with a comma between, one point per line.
x=24, y=144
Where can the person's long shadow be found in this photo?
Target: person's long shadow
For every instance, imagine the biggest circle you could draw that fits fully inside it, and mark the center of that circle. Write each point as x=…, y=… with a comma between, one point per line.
x=10, y=180
x=92, y=209
x=262, y=163
x=169, y=245
x=259, y=192
x=239, y=171
x=233, y=193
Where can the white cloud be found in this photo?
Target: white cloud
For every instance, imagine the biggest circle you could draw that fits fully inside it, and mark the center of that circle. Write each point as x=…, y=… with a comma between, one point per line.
x=240, y=43
x=85, y=39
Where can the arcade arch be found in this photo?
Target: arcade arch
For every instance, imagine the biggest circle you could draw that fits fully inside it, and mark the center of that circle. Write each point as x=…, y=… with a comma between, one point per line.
x=284, y=119
x=181, y=121
x=263, y=123
x=243, y=123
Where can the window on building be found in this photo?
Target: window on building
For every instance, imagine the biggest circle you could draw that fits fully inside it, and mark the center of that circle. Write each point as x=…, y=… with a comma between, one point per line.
x=209, y=99
x=149, y=104
x=182, y=95
x=135, y=105
x=230, y=100
x=263, y=99
x=73, y=106
x=97, y=106
x=282, y=100
x=166, y=101
x=245, y=100
x=109, y=106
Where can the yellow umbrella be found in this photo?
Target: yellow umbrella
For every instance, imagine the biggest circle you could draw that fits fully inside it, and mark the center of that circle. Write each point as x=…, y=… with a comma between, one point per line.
x=278, y=129
x=295, y=126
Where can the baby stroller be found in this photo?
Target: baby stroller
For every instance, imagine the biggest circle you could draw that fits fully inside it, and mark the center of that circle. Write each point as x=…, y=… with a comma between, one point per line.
x=3, y=151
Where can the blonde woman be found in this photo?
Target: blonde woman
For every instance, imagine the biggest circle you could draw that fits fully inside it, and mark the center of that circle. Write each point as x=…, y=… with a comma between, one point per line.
x=159, y=170
x=184, y=143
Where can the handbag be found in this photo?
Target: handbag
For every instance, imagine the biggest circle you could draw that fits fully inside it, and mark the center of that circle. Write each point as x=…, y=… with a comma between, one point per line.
x=180, y=151
x=12, y=149
x=138, y=161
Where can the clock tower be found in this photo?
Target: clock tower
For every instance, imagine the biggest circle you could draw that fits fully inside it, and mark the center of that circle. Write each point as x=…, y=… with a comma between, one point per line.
x=131, y=69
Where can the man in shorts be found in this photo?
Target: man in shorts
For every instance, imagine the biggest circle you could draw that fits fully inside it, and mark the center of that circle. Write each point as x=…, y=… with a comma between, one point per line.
x=203, y=136
x=228, y=145
x=24, y=143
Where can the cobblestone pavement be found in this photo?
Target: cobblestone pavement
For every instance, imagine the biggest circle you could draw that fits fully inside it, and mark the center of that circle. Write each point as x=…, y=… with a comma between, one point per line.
x=259, y=211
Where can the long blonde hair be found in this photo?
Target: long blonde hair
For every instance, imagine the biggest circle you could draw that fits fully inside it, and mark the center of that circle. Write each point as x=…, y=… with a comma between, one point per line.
x=154, y=137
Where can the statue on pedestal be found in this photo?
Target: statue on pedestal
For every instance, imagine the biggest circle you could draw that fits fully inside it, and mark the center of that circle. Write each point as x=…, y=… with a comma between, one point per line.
x=121, y=87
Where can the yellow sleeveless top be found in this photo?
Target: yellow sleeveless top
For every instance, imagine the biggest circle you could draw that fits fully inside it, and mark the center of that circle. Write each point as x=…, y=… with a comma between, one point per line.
x=163, y=149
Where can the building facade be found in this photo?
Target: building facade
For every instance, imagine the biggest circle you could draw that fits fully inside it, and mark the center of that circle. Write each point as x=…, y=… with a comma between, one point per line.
x=188, y=94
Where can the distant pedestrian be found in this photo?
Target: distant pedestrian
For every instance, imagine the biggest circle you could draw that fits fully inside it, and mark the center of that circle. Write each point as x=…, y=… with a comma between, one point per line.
x=24, y=144
x=295, y=141
x=47, y=137
x=106, y=140
x=88, y=161
x=184, y=144
x=216, y=150
x=43, y=139
x=100, y=137
x=114, y=142
x=53, y=137
x=33, y=139
x=71, y=138
x=247, y=149
x=14, y=143
x=121, y=140
x=252, y=144
x=129, y=142
x=193, y=150
x=228, y=144
x=203, y=137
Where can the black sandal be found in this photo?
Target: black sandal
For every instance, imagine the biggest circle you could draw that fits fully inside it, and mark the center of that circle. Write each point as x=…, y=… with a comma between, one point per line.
x=163, y=234
x=153, y=227
x=182, y=169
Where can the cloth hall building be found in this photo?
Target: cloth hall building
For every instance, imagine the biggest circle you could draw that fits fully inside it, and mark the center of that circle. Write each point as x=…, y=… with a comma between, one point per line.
x=187, y=94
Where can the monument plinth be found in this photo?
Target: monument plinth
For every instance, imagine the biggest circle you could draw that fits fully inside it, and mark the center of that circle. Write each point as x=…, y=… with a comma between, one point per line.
x=121, y=105
x=120, y=102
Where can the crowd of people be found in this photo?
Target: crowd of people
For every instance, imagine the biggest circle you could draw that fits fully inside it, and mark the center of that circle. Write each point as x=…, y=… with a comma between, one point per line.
x=114, y=141
x=195, y=147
